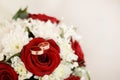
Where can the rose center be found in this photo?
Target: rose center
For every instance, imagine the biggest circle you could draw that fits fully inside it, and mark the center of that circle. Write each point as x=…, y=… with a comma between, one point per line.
x=43, y=58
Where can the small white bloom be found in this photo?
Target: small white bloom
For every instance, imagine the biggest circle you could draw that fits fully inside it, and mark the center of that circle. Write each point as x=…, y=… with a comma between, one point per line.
x=66, y=51
x=62, y=71
x=68, y=32
x=46, y=77
x=78, y=71
x=81, y=72
x=46, y=30
x=75, y=64
x=19, y=67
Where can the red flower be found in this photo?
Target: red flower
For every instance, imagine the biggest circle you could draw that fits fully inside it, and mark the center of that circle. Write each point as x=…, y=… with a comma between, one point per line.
x=43, y=17
x=72, y=77
x=7, y=72
x=43, y=64
x=78, y=51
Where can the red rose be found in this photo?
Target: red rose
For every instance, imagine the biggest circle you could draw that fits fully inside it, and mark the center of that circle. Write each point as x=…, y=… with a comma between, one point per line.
x=41, y=64
x=7, y=72
x=72, y=77
x=78, y=51
x=43, y=17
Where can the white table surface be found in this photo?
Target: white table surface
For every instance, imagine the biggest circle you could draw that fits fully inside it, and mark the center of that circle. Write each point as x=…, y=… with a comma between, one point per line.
x=98, y=22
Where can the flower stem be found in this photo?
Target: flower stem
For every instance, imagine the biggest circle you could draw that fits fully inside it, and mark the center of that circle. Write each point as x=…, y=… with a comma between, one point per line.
x=87, y=73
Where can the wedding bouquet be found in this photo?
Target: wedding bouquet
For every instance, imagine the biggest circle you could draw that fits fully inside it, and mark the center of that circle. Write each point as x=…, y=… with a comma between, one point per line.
x=40, y=47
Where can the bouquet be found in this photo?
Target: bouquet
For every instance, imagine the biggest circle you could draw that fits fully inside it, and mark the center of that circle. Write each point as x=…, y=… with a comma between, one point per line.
x=40, y=47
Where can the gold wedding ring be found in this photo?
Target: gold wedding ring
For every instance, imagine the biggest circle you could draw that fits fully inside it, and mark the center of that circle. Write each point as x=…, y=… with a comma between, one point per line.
x=39, y=50
x=44, y=45
x=35, y=50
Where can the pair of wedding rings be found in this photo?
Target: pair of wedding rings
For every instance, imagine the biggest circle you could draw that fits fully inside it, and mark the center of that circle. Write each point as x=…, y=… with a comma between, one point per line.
x=39, y=50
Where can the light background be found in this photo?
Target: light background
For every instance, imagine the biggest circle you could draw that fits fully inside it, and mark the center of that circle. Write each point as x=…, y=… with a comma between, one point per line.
x=98, y=21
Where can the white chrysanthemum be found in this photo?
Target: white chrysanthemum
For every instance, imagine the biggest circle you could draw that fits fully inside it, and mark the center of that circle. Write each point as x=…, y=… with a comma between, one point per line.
x=46, y=30
x=49, y=77
x=68, y=32
x=63, y=71
x=23, y=22
x=66, y=51
x=78, y=71
x=74, y=64
x=19, y=67
x=81, y=72
x=14, y=41
x=4, y=29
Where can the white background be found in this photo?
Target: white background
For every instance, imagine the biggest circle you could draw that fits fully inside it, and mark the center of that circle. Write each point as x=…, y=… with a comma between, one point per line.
x=98, y=22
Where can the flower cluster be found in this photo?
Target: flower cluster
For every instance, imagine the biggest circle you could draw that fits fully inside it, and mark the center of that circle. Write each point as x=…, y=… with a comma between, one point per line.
x=40, y=47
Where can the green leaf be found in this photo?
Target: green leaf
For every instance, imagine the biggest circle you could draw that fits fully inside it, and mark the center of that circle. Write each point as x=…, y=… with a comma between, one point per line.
x=21, y=14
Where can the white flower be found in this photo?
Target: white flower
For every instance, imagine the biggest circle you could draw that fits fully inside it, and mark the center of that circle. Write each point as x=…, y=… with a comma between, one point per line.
x=74, y=64
x=4, y=29
x=68, y=32
x=81, y=72
x=19, y=67
x=14, y=41
x=63, y=71
x=78, y=71
x=46, y=30
x=66, y=51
